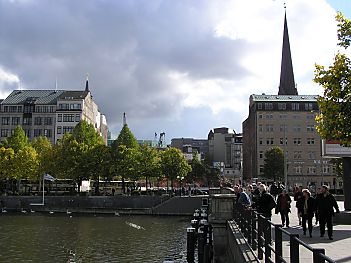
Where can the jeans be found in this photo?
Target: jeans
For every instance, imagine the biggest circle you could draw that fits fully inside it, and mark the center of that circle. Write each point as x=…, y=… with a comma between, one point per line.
x=284, y=216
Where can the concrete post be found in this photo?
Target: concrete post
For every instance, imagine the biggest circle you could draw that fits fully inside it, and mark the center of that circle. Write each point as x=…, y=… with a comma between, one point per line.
x=347, y=182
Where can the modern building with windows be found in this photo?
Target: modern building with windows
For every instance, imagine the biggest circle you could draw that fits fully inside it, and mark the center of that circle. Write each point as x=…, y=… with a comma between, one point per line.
x=189, y=146
x=49, y=113
x=286, y=120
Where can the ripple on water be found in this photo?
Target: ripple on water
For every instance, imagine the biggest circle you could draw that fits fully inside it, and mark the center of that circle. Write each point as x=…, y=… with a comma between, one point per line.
x=40, y=238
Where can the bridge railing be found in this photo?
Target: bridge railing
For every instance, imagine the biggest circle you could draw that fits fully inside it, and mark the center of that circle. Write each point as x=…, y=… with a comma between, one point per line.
x=258, y=232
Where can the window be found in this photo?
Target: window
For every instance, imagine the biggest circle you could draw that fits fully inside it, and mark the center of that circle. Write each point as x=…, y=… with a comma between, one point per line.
x=67, y=129
x=4, y=132
x=37, y=132
x=297, y=141
x=310, y=128
x=5, y=120
x=310, y=141
x=75, y=106
x=260, y=116
x=311, y=169
x=261, y=154
x=269, y=128
x=297, y=154
x=298, y=169
x=310, y=117
x=260, y=141
x=297, y=128
x=308, y=106
x=68, y=117
x=77, y=117
x=283, y=116
x=270, y=141
x=28, y=108
x=59, y=129
x=16, y=120
x=37, y=121
x=261, y=169
x=64, y=106
x=283, y=128
x=59, y=118
x=13, y=109
x=326, y=169
x=260, y=127
x=47, y=120
x=268, y=106
x=27, y=121
x=311, y=155
x=6, y=108
x=259, y=106
x=47, y=133
x=19, y=109
x=282, y=106
x=281, y=141
x=295, y=106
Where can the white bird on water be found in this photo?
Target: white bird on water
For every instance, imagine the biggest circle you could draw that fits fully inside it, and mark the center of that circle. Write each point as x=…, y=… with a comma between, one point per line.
x=135, y=226
x=51, y=212
x=68, y=212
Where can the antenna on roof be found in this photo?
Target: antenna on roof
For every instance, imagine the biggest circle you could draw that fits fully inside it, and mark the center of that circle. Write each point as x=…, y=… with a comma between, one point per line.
x=19, y=85
x=56, y=84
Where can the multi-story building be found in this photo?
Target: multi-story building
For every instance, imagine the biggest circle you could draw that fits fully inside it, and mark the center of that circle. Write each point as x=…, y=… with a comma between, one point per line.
x=225, y=151
x=286, y=120
x=190, y=146
x=49, y=113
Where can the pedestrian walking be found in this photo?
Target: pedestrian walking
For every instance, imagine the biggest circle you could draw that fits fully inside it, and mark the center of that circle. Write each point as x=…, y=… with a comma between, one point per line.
x=317, y=196
x=306, y=206
x=243, y=199
x=283, y=207
x=326, y=206
x=265, y=202
x=297, y=195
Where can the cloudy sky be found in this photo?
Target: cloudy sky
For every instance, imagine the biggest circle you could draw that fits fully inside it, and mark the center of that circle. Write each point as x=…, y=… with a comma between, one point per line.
x=181, y=67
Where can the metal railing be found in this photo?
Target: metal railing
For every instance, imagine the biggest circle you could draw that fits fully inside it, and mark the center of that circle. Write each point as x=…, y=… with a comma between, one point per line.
x=258, y=232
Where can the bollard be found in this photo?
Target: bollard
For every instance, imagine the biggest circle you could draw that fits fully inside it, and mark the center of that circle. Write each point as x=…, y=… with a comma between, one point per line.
x=190, y=244
x=207, y=253
x=200, y=245
x=210, y=238
x=196, y=215
x=195, y=224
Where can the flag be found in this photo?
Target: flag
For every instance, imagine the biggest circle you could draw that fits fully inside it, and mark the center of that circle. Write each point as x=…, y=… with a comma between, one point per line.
x=49, y=177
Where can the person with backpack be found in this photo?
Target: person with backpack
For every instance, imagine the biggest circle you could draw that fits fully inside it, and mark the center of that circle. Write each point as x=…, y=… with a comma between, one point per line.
x=265, y=202
x=244, y=198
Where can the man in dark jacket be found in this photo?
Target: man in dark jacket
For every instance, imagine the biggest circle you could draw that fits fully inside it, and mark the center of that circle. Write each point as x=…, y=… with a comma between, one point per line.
x=265, y=203
x=326, y=205
x=283, y=207
x=306, y=207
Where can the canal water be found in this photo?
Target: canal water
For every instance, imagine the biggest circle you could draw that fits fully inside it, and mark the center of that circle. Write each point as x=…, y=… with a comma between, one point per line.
x=60, y=238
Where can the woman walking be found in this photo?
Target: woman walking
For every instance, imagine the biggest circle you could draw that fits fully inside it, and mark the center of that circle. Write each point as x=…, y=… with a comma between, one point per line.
x=283, y=207
x=307, y=207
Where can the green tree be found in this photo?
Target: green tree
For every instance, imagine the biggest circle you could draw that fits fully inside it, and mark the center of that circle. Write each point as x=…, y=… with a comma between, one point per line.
x=44, y=150
x=85, y=133
x=334, y=120
x=174, y=165
x=149, y=163
x=198, y=169
x=98, y=162
x=6, y=156
x=17, y=141
x=274, y=164
x=125, y=163
x=126, y=138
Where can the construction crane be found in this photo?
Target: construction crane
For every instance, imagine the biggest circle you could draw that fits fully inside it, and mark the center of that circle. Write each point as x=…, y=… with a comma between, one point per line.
x=161, y=141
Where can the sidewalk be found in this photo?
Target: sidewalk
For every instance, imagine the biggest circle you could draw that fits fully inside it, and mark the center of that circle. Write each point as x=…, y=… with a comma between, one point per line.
x=338, y=249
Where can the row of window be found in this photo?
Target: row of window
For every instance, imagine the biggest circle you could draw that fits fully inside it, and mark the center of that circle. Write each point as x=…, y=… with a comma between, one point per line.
x=68, y=118
x=36, y=132
x=283, y=106
x=296, y=141
x=285, y=116
x=26, y=121
x=284, y=128
x=309, y=170
x=70, y=106
x=311, y=155
x=64, y=129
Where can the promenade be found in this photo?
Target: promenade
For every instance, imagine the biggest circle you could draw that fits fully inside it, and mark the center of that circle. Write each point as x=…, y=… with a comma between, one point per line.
x=338, y=249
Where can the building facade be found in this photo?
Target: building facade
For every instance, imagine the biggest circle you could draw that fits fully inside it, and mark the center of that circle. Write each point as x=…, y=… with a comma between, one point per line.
x=49, y=113
x=189, y=146
x=225, y=152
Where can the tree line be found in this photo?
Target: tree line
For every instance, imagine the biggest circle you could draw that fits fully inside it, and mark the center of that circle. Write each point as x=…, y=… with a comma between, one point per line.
x=82, y=155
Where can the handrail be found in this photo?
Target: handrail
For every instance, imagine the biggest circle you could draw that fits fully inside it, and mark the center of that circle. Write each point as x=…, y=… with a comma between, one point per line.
x=258, y=231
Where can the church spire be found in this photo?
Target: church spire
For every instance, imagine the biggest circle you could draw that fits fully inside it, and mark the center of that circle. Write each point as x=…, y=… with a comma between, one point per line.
x=124, y=119
x=287, y=82
x=87, y=84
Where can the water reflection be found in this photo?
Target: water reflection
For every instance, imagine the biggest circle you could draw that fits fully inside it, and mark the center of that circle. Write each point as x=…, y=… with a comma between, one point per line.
x=60, y=238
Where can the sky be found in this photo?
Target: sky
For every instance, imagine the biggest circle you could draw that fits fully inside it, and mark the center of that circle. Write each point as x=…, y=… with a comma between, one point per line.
x=181, y=67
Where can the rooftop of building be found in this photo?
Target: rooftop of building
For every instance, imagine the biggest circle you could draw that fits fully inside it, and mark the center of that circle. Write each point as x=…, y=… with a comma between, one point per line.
x=46, y=97
x=265, y=97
